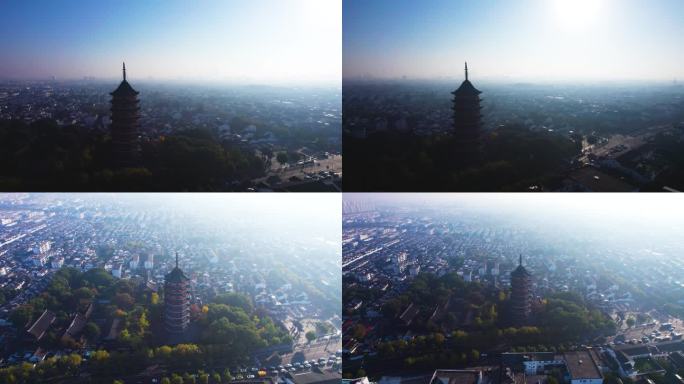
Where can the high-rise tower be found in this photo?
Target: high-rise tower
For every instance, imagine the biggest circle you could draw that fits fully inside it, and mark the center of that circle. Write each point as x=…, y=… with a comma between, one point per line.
x=467, y=117
x=176, y=300
x=521, y=294
x=124, y=128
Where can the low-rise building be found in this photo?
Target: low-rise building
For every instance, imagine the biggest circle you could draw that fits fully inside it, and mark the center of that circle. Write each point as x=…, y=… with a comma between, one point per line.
x=582, y=369
x=40, y=326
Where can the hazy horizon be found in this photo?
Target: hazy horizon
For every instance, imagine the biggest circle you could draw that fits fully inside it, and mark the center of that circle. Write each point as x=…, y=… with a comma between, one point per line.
x=299, y=216
x=485, y=81
x=189, y=83
x=613, y=212
x=253, y=42
x=558, y=40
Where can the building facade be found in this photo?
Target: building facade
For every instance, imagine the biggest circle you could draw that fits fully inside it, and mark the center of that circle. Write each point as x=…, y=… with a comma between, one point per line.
x=467, y=118
x=521, y=294
x=124, y=127
x=176, y=301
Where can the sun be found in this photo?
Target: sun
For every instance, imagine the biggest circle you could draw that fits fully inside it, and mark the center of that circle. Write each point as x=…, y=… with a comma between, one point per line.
x=577, y=15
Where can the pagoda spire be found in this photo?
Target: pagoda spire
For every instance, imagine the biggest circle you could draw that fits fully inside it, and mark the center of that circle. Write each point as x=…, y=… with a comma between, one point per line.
x=124, y=127
x=467, y=120
x=520, y=260
x=176, y=259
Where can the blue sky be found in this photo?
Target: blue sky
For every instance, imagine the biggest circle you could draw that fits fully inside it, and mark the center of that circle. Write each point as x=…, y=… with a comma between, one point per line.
x=515, y=39
x=216, y=40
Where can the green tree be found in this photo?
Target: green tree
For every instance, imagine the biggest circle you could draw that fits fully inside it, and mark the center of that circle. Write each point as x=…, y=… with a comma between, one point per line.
x=188, y=379
x=233, y=314
x=21, y=316
x=164, y=352
x=630, y=322
x=100, y=356
x=143, y=323
x=235, y=300
x=98, y=277
x=124, y=301
x=226, y=375
x=75, y=360
x=216, y=378
x=281, y=158
x=83, y=293
x=311, y=336
x=91, y=331
x=240, y=337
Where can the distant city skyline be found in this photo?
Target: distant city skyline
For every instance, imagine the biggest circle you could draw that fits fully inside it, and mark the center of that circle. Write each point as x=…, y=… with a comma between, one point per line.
x=288, y=214
x=619, y=211
x=262, y=41
x=528, y=40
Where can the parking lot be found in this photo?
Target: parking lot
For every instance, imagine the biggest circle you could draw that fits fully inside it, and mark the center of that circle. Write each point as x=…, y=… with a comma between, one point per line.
x=314, y=351
x=325, y=354
x=651, y=332
x=307, y=171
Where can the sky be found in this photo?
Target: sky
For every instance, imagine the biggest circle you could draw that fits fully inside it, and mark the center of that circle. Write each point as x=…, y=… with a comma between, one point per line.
x=252, y=41
x=311, y=215
x=546, y=40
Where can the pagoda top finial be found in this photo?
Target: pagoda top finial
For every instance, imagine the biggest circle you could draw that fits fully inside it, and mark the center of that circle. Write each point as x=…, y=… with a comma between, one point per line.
x=520, y=260
x=466, y=70
x=176, y=259
x=124, y=71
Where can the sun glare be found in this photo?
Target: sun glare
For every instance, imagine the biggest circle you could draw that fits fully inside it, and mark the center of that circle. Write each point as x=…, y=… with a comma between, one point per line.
x=577, y=15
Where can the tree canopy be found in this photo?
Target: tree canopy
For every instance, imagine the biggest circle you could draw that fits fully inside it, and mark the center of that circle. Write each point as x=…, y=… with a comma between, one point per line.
x=43, y=156
x=512, y=158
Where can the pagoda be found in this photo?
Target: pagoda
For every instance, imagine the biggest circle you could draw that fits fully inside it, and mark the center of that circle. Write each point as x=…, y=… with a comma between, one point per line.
x=467, y=117
x=124, y=127
x=176, y=301
x=521, y=294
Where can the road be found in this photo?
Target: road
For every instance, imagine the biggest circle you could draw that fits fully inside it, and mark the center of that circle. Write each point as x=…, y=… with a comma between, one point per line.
x=313, y=351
